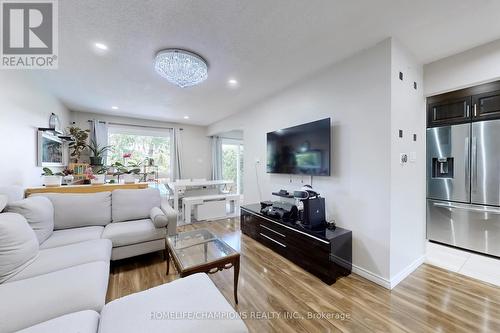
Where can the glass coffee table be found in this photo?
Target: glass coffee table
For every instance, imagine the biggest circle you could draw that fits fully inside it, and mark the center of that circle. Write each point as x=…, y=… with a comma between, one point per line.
x=200, y=251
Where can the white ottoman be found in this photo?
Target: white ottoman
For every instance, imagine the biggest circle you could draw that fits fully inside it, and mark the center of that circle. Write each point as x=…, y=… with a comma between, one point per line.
x=190, y=304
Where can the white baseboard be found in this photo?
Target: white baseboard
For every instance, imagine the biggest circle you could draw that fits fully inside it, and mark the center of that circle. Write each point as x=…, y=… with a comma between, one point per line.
x=388, y=284
x=407, y=271
x=372, y=277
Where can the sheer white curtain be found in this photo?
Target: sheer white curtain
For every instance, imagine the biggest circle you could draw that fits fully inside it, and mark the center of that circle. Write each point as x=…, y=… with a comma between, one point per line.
x=176, y=154
x=216, y=158
x=99, y=133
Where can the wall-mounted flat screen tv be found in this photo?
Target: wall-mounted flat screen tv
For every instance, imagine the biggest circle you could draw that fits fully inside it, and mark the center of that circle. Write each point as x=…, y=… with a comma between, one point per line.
x=300, y=150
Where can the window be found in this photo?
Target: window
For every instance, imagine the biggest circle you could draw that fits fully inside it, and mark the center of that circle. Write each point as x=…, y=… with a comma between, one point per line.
x=232, y=162
x=142, y=143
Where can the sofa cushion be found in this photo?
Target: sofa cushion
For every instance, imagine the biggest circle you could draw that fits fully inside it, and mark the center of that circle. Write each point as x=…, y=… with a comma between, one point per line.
x=51, y=260
x=71, y=236
x=3, y=201
x=122, y=252
x=80, y=210
x=39, y=213
x=147, y=311
x=77, y=322
x=18, y=245
x=132, y=232
x=158, y=217
x=131, y=205
x=13, y=193
x=44, y=297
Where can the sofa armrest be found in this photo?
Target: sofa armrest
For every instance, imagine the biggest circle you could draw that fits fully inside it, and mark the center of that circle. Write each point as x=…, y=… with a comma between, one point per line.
x=159, y=218
x=172, y=218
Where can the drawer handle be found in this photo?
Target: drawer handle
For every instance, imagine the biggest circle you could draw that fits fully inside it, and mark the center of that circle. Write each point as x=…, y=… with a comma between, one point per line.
x=272, y=240
x=277, y=233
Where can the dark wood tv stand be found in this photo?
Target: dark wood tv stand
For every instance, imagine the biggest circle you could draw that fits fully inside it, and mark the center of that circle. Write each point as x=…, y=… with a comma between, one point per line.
x=326, y=254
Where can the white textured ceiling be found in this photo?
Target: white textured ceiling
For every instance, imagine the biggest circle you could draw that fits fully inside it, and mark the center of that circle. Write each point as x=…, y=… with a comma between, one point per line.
x=265, y=44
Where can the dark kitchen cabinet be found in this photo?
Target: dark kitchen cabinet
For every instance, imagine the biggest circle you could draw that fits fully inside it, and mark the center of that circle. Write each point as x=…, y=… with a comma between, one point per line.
x=486, y=106
x=481, y=102
x=447, y=112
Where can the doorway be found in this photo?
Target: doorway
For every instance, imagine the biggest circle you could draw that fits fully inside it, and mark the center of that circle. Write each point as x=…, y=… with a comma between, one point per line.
x=232, y=162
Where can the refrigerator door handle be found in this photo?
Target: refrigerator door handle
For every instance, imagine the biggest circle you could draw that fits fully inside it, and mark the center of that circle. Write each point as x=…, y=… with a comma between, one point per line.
x=489, y=210
x=474, y=164
x=467, y=164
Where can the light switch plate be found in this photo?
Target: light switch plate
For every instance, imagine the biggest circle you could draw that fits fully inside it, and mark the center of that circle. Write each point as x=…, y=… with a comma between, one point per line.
x=413, y=157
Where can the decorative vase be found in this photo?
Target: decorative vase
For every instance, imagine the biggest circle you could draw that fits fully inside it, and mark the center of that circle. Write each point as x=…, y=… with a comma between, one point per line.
x=52, y=181
x=98, y=180
x=129, y=178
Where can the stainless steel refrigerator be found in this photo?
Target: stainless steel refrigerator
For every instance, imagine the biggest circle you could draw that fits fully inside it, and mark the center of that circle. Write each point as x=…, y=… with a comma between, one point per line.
x=463, y=186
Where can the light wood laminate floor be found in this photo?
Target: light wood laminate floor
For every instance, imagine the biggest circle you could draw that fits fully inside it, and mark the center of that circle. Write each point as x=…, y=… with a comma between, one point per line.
x=272, y=288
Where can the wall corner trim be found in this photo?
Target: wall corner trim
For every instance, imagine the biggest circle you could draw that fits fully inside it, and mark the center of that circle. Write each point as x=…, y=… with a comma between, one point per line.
x=371, y=276
x=406, y=271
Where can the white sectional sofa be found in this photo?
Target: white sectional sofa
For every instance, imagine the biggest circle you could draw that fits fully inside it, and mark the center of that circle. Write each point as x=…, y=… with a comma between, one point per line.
x=55, y=253
x=38, y=282
x=136, y=221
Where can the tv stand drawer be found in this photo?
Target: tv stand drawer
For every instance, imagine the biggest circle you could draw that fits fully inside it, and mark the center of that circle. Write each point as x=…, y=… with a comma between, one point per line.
x=306, y=250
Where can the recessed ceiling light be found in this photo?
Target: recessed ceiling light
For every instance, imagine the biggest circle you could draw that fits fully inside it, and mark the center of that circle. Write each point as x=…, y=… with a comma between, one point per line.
x=232, y=82
x=186, y=117
x=101, y=46
x=114, y=107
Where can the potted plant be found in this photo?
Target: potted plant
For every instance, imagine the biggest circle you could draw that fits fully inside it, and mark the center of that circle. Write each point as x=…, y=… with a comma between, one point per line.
x=97, y=152
x=50, y=179
x=100, y=176
x=68, y=176
x=89, y=175
x=128, y=172
x=79, y=142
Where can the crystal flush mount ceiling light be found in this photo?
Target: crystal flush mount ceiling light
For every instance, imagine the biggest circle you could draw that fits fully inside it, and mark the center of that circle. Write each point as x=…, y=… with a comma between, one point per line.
x=181, y=67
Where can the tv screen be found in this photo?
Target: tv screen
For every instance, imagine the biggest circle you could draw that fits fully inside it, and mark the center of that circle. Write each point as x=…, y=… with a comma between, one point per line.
x=302, y=150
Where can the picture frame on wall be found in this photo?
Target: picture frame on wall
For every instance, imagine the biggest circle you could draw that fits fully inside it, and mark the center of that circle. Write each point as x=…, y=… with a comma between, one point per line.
x=52, y=151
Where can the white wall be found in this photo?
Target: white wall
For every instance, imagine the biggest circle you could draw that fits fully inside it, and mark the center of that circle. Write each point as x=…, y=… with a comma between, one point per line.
x=24, y=107
x=408, y=180
x=355, y=93
x=236, y=135
x=478, y=65
x=369, y=192
x=196, y=157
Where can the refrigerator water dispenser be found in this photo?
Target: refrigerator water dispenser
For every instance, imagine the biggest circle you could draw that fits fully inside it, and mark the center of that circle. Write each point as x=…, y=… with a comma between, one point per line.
x=442, y=167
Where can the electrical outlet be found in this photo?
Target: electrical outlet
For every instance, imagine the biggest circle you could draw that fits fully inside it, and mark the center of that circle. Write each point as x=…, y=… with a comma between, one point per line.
x=403, y=158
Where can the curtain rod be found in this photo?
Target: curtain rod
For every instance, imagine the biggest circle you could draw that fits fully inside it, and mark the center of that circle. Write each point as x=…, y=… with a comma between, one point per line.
x=133, y=125
x=225, y=137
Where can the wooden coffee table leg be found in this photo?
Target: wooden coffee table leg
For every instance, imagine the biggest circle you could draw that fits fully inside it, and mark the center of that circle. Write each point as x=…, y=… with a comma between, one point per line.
x=167, y=258
x=236, y=266
x=206, y=251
